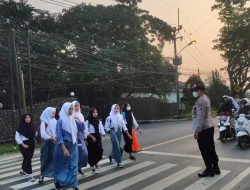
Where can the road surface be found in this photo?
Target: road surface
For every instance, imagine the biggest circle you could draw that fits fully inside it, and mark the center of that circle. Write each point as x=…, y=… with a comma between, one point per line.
x=170, y=160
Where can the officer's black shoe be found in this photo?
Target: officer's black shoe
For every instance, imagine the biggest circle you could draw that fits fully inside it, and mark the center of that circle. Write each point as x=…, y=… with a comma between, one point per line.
x=206, y=173
x=216, y=168
x=217, y=171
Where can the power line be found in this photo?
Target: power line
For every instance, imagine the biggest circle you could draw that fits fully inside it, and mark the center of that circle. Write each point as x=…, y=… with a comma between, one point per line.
x=55, y=4
x=71, y=2
x=60, y=2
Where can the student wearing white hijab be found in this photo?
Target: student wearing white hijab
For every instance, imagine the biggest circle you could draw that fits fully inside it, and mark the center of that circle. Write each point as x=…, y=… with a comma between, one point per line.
x=48, y=135
x=66, y=150
x=82, y=149
x=115, y=125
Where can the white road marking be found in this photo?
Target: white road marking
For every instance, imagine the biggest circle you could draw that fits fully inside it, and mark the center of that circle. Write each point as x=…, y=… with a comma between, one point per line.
x=166, y=142
x=236, y=180
x=193, y=156
x=16, y=163
x=140, y=177
x=114, y=175
x=88, y=174
x=205, y=183
x=18, y=167
x=15, y=172
x=170, y=180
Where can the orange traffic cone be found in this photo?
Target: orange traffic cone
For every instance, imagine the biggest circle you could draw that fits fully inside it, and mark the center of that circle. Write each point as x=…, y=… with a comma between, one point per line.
x=135, y=144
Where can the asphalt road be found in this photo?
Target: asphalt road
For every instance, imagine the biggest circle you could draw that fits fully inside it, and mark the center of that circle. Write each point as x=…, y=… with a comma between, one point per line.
x=170, y=160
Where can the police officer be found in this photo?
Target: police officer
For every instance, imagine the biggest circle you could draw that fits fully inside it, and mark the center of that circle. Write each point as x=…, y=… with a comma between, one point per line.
x=204, y=131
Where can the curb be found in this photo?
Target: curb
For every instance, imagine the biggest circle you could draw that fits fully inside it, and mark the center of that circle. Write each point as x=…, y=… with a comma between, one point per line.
x=161, y=121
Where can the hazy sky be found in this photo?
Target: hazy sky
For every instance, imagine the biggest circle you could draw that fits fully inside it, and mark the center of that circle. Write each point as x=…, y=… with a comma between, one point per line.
x=198, y=21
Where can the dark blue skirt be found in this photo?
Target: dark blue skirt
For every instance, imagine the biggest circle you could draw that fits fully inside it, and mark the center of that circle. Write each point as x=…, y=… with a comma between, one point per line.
x=66, y=168
x=47, y=158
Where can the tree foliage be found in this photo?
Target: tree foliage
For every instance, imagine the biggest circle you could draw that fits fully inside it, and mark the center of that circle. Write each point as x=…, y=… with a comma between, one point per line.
x=234, y=41
x=91, y=50
x=187, y=93
x=216, y=88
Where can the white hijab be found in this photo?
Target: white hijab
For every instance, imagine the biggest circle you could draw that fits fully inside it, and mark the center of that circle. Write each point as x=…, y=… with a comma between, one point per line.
x=116, y=118
x=78, y=114
x=47, y=118
x=68, y=122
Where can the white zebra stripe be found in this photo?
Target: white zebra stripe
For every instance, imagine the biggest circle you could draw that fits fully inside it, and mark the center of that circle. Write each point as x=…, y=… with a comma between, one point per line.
x=135, y=179
x=114, y=175
x=207, y=182
x=170, y=180
x=88, y=174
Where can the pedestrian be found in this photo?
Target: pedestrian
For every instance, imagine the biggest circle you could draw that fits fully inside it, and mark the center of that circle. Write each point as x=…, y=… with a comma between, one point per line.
x=57, y=114
x=66, y=151
x=82, y=149
x=204, y=131
x=25, y=137
x=115, y=124
x=48, y=136
x=131, y=125
x=96, y=130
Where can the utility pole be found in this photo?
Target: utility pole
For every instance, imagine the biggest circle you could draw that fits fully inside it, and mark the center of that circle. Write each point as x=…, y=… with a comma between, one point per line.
x=19, y=78
x=177, y=61
x=30, y=73
x=12, y=96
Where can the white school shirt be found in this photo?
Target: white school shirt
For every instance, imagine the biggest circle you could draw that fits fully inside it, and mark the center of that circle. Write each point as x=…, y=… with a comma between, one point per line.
x=91, y=128
x=20, y=138
x=109, y=125
x=135, y=124
x=45, y=132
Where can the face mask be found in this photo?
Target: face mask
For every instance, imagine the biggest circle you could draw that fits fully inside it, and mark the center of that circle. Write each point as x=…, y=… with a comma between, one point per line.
x=128, y=108
x=195, y=94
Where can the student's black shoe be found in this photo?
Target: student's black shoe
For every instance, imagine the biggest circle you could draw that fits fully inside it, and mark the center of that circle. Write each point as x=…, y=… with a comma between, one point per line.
x=41, y=180
x=80, y=172
x=22, y=173
x=132, y=157
x=97, y=166
x=111, y=160
x=206, y=173
x=75, y=188
x=57, y=186
x=121, y=151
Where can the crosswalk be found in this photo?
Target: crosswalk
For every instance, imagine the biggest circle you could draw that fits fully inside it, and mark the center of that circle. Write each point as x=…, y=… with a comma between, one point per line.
x=146, y=174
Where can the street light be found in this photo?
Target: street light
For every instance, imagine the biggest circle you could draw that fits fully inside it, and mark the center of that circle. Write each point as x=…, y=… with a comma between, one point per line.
x=72, y=94
x=189, y=44
x=178, y=61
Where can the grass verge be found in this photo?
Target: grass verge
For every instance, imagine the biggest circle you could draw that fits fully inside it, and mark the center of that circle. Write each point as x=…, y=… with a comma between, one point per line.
x=9, y=149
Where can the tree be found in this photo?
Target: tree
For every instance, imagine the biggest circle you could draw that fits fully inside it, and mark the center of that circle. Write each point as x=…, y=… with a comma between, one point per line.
x=115, y=39
x=104, y=52
x=234, y=41
x=216, y=88
x=187, y=93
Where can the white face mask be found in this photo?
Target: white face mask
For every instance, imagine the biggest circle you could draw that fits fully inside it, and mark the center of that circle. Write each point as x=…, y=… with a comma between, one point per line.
x=128, y=108
x=195, y=94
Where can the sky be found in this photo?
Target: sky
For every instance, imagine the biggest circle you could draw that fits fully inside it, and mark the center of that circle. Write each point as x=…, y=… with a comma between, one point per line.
x=198, y=21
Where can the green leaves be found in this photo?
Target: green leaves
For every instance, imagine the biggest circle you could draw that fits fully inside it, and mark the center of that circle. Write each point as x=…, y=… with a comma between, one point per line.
x=234, y=41
x=93, y=49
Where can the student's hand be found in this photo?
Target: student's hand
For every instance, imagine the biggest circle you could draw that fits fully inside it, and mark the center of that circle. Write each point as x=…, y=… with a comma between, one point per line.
x=25, y=146
x=78, y=119
x=129, y=136
x=65, y=152
x=196, y=136
x=107, y=130
x=93, y=139
x=53, y=139
x=140, y=131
